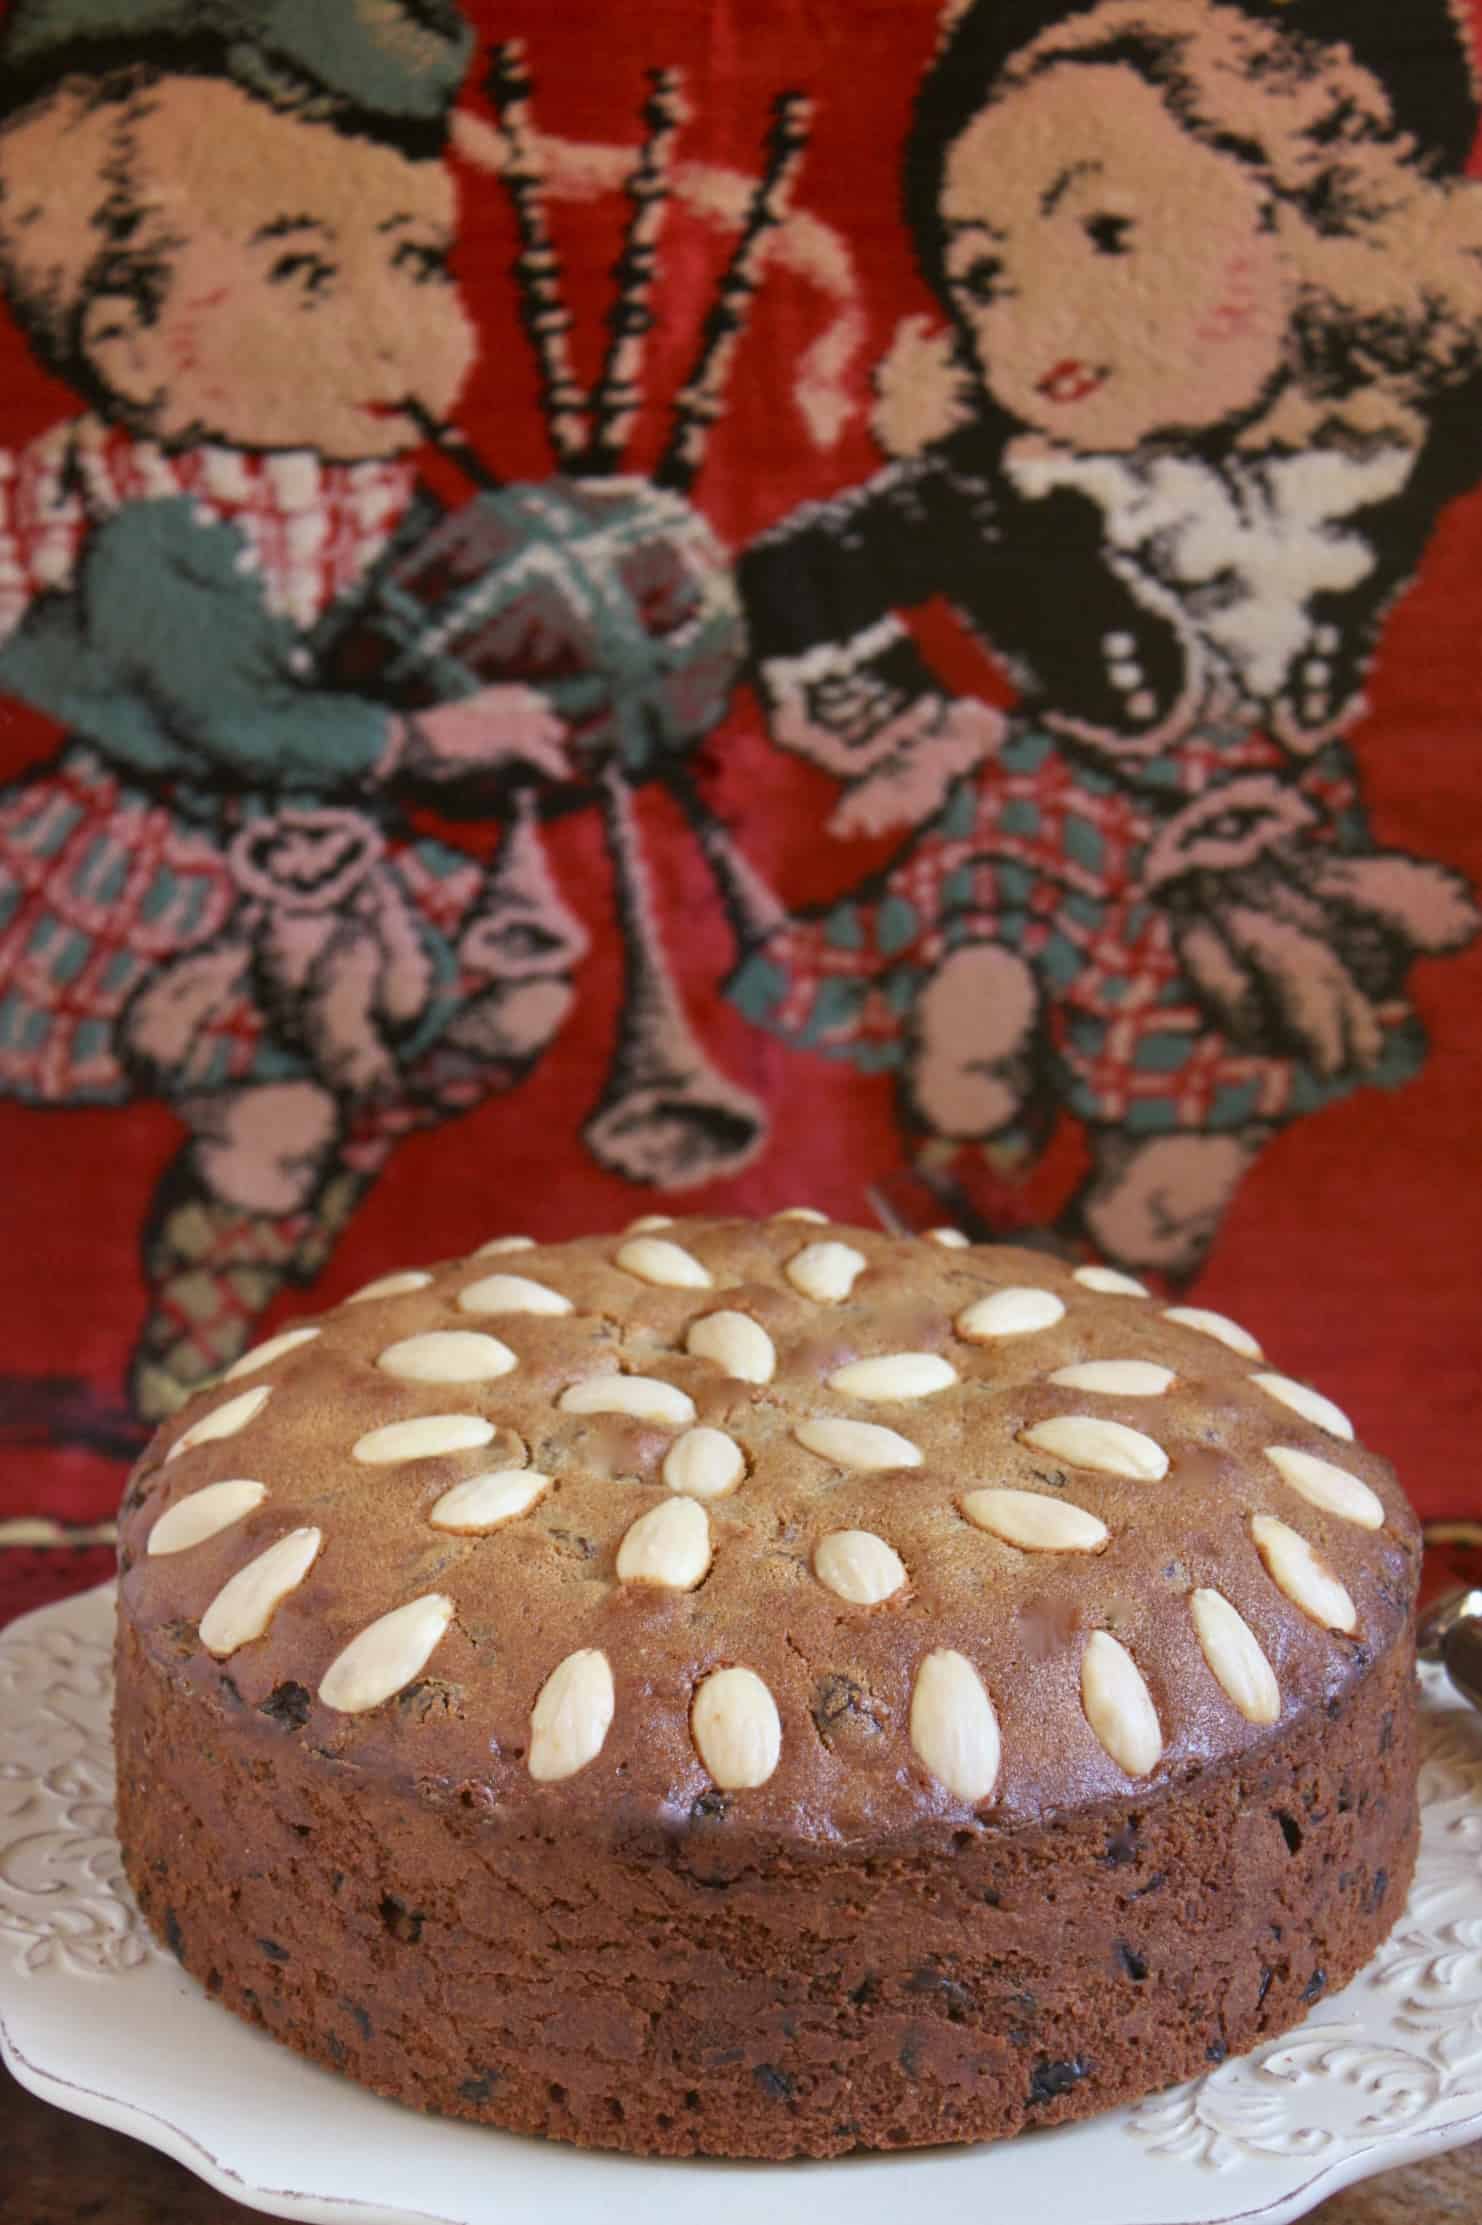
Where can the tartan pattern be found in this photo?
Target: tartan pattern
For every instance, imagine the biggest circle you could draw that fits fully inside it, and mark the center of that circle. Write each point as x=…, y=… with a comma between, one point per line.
x=313, y=529
x=1043, y=854
x=616, y=600
x=101, y=884
x=102, y=881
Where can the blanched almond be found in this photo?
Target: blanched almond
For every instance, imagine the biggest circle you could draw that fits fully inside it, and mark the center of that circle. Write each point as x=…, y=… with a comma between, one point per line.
x=864, y=1446
x=223, y=1421
x=263, y=1355
x=1306, y=1579
x=245, y=1604
x=1115, y=1378
x=654, y=1259
x=483, y=1502
x=422, y=1438
x=1324, y=1485
x=1086, y=1441
x=858, y=1566
x=953, y=1727
x=642, y=1396
x=670, y=1546
x=647, y=1221
x=889, y=1376
x=950, y=1239
x=1235, y=1657
x=203, y=1514
x=736, y=1343
x=1111, y=1282
x=704, y=1463
x=1035, y=1522
x=825, y=1272
x=800, y=1213
x=1217, y=1325
x=511, y=1294
x=1119, y=1706
x=386, y=1655
x=1310, y=1404
x=448, y=1356
x=497, y=1245
x=736, y=1729
x=1014, y=1312
x=571, y=1717
x=391, y=1286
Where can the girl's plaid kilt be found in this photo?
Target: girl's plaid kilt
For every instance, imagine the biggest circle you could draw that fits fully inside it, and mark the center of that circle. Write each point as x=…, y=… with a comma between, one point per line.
x=1043, y=853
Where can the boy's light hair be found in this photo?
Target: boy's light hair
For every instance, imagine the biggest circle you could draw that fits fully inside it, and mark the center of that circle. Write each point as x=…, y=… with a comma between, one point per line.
x=78, y=217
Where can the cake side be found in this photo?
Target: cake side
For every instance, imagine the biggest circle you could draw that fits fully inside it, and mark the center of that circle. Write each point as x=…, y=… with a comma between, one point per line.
x=699, y=1992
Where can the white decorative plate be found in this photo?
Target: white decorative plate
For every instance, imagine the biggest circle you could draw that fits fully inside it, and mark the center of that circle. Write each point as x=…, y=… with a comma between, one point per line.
x=94, y=2017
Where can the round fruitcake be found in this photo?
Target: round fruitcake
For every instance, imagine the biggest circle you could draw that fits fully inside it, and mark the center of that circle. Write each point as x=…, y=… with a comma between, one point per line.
x=765, y=1688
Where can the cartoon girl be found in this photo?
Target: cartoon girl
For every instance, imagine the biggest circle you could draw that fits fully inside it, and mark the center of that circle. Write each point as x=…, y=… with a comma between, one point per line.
x=1212, y=365
x=236, y=250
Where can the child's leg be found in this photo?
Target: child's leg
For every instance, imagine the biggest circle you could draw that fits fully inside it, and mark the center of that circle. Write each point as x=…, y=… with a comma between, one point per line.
x=252, y=1202
x=1157, y=1201
x=975, y=1035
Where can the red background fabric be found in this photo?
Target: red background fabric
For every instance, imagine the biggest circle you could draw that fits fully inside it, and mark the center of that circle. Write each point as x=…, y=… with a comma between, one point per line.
x=1352, y=1247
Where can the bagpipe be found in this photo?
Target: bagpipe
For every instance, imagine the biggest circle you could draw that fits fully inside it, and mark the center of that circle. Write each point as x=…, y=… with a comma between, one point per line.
x=610, y=594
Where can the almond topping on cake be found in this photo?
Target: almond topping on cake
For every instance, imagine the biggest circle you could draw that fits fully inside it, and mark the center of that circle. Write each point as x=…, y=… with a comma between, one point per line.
x=448, y=1356
x=204, y=1514
x=1116, y=1378
x=1235, y=1657
x=386, y=1655
x=736, y=1343
x=263, y=1355
x=670, y=1546
x=511, y=1294
x=642, y=1396
x=859, y=1445
x=1119, y=1706
x=1035, y=1522
x=483, y=1502
x=705, y=1463
x=1015, y=1312
x=1302, y=1574
x=571, y=1717
x=953, y=1727
x=736, y=1729
x=825, y=1272
x=223, y=1421
x=858, y=1566
x=1111, y=1282
x=1217, y=1325
x=1324, y=1485
x=1086, y=1441
x=894, y=1375
x=391, y=1286
x=1310, y=1404
x=246, y=1603
x=654, y=1260
x=422, y=1438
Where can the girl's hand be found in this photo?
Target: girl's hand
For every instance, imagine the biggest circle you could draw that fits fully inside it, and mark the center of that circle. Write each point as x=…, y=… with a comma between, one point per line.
x=497, y=729
x=948, y=739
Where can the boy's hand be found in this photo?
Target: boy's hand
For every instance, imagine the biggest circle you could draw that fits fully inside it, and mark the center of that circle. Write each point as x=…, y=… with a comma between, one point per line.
x=493, y=731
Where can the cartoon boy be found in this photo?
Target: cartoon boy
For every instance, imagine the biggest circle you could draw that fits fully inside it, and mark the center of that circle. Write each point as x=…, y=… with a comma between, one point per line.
x=1213, y=290
x=228, y=228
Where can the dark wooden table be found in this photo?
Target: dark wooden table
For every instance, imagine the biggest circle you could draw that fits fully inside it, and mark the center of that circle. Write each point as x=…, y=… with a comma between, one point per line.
x=57, y=2170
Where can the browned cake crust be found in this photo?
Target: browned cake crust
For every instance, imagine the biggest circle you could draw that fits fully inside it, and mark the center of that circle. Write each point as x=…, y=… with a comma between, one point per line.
x=1030, y=1828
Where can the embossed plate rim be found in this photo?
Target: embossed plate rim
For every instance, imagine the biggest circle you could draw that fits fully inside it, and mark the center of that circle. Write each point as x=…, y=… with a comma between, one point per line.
x=155, y=2058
